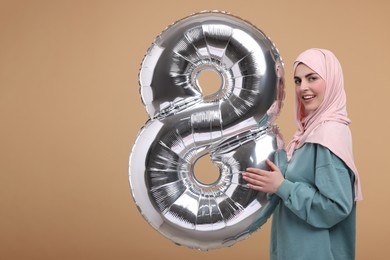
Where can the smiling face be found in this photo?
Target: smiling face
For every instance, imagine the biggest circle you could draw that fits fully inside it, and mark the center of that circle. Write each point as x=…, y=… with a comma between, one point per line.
x=309, y=88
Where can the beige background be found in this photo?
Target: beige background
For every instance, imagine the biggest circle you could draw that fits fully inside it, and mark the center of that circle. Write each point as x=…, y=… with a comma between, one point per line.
x=70, y=111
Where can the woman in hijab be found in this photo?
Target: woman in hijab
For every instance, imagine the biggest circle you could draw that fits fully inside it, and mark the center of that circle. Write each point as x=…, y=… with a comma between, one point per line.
x=319, y=187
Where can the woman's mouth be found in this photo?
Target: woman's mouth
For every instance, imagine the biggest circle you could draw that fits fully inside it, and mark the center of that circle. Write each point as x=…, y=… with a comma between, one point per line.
x=308, y=97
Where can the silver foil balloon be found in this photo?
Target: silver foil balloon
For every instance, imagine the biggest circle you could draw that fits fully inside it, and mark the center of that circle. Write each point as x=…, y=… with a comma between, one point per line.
x=233, y=126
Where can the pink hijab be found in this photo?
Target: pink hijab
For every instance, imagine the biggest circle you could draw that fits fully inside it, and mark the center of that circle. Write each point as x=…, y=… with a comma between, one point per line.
x=328, y=125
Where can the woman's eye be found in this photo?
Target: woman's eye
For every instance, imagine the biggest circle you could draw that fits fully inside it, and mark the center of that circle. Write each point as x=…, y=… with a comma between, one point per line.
x=312, y=78
x=297, y=81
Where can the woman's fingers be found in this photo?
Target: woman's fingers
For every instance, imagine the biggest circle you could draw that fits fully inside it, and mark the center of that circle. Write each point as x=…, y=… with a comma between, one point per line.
x=262, y=180
x=272, y=166
x=251, y=177
x=255, y=170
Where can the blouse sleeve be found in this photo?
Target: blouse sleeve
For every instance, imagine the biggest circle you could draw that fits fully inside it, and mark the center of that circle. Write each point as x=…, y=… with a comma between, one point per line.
x=330, y=200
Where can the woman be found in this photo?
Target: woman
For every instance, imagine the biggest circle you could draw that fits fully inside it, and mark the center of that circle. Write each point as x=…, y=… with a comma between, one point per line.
x=316, y=216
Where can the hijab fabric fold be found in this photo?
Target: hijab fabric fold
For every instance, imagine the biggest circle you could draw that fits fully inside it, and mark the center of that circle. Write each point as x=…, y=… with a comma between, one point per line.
x=328, y=124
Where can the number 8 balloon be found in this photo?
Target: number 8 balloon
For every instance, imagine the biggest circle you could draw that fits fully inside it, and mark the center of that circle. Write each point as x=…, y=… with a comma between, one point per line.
x=234, y=126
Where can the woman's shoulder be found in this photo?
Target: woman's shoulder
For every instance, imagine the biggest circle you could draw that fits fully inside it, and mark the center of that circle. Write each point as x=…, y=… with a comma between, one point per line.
x=329, y=129
x=331, y=134
x=323, y=155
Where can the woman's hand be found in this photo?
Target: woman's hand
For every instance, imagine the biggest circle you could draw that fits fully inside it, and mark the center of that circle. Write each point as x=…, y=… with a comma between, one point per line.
x=262, y=180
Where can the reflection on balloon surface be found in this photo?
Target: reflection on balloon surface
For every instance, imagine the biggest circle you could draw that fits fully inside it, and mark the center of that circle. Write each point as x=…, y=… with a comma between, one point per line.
x=232, y=125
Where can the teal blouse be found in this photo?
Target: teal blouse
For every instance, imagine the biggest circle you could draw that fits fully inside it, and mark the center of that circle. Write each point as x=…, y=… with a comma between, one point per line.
x=316, y=216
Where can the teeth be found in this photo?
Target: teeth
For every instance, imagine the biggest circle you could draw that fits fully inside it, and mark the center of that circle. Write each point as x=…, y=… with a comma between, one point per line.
x=308, y=97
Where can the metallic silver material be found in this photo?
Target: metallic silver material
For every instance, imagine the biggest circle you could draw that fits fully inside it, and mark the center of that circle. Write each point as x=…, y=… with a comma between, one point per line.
x=234, y=126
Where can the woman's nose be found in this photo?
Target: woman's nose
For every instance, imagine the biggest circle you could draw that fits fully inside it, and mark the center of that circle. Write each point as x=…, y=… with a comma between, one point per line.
x=304, y=85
